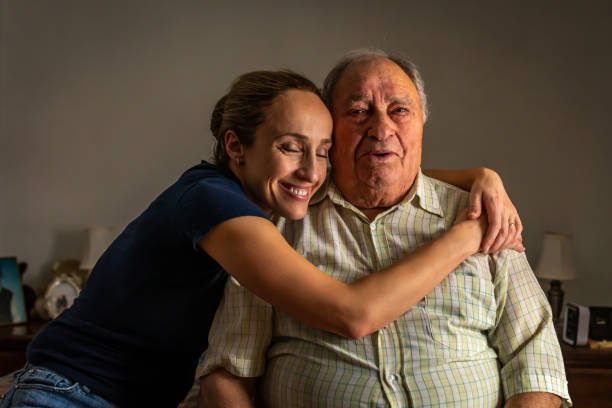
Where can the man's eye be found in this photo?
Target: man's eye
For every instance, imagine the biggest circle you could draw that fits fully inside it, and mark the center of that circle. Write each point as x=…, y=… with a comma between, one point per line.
x=400, y=110
x=356, y=112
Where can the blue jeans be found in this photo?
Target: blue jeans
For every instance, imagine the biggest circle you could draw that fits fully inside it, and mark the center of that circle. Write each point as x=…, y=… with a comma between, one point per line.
x=36, y=386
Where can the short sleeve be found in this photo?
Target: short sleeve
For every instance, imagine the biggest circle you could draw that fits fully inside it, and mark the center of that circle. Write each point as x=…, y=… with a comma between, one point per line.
x=210, y=202
x=240, y=335
x=524, y=335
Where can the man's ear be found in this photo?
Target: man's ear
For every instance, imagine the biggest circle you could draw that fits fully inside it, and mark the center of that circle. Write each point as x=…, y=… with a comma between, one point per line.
x=233, y=147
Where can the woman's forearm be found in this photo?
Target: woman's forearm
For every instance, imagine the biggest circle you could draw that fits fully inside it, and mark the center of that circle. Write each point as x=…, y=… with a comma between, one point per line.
x=262, y=261
x=380, y=298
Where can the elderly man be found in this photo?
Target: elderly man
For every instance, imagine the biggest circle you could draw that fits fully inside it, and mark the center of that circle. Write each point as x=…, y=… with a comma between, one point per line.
x=483, y=337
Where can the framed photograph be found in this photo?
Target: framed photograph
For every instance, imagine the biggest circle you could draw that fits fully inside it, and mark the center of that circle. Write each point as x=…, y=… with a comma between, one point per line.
x=12, y=302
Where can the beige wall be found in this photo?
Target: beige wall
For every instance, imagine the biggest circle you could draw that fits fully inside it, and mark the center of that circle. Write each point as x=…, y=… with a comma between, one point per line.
x=104, y=103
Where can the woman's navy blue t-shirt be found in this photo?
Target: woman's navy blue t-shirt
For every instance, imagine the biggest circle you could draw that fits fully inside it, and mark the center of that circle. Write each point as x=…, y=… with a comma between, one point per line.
x=135, y=333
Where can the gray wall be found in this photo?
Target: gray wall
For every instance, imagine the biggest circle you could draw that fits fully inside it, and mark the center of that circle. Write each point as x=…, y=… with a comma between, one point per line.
x=104, y=103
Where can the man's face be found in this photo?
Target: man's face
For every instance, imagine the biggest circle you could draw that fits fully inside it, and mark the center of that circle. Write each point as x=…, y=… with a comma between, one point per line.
x=378, y=127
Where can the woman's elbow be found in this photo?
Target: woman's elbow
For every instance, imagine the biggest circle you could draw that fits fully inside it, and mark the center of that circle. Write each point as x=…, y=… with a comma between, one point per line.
x=355, y=318
x=359, y=326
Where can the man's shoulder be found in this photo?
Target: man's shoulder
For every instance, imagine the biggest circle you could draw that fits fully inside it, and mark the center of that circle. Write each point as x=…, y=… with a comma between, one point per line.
x=443, y=187
x=450, y=198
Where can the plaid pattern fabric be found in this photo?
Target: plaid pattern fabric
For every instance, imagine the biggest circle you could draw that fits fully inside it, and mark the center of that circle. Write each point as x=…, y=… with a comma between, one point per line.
x=483, y=334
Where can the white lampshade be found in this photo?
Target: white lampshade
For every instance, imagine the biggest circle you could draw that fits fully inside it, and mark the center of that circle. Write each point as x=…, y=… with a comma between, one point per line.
x=98, y=240
x=556, y=259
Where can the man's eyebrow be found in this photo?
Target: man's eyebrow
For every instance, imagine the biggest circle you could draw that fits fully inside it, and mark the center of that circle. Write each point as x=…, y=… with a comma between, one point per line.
x=363, y=96
x=357, y=97
x=404, y=100
x=302, y=137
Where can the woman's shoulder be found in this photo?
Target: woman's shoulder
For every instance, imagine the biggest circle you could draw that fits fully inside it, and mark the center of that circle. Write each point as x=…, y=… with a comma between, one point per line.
x=211, y=186
x=208, y=172
x=206, y=178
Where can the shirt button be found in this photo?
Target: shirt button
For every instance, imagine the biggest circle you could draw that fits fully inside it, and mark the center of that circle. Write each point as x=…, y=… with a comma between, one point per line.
x=392, y=378
x=372, y=226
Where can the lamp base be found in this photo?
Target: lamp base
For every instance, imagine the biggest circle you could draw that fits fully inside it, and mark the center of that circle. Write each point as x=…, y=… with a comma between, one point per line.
x=555, y=298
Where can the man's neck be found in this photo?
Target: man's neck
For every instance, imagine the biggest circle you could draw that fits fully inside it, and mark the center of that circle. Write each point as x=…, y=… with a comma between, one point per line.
x=371, y=200
x=371, y=213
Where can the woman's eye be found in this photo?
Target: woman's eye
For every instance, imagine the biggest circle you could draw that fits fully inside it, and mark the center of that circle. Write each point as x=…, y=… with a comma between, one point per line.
x=322, y=154
x=290, y=148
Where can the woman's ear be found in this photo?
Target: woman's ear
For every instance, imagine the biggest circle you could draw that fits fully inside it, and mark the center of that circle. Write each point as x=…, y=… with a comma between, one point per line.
x=233, y=147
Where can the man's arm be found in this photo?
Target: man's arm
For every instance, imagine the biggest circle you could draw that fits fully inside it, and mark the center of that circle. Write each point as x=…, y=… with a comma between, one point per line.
x=533, y=400
x=532, y=371
x=221, y=389
x=237, y=344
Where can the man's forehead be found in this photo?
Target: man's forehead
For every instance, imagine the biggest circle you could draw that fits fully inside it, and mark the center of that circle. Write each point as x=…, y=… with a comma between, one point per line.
x=388, y=94
x=361, y=79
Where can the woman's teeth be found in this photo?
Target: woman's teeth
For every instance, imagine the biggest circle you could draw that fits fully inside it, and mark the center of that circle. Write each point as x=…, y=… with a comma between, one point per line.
x=298, y=191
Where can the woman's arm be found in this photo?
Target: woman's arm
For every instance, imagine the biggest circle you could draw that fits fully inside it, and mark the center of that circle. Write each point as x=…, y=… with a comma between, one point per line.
x=486, y=188
x=253, y=251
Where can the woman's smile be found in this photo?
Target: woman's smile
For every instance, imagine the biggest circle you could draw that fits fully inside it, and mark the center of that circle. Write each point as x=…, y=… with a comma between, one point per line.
x=300, y=193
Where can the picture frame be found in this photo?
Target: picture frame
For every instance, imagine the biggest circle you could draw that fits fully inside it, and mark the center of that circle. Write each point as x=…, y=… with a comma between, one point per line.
x=12, y=300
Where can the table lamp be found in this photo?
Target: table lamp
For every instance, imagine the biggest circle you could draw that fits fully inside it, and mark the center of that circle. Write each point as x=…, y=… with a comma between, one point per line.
x=98, y=239
x=556, y=263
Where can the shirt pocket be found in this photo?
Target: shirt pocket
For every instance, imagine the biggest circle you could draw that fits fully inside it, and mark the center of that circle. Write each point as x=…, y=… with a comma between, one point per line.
x=460, y=311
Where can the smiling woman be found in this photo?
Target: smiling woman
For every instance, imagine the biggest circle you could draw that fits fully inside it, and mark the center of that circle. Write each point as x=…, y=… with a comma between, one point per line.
x=287, y=161
x=167, y=269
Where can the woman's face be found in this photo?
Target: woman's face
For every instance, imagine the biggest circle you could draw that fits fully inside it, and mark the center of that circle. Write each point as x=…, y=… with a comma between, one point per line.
x=287, y=162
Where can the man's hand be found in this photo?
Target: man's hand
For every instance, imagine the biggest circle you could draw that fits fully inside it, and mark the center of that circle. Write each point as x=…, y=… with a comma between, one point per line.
x=534, y=400
x=505, y=225
x=221, y=389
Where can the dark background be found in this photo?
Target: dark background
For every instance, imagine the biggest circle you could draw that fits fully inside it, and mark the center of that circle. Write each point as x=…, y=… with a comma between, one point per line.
x=104, y=103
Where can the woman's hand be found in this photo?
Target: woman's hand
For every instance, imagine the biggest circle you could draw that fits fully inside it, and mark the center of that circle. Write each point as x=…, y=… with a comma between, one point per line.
x=478, y=227
x=505, y=225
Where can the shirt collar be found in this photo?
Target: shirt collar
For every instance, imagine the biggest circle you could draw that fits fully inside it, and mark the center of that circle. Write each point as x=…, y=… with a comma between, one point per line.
x=423, y=194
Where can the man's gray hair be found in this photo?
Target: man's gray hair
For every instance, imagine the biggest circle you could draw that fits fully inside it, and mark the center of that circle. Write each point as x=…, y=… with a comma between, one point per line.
x=367, y=54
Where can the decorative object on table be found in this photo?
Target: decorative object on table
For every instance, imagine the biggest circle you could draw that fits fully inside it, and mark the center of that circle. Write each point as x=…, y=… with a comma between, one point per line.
x=64, y=287
x=576, y=324
x=12, y=302
x=70, y=275
x=556, y=263
x=601, y=344
x=98, y=240
x=600, y=323
x=583, y=324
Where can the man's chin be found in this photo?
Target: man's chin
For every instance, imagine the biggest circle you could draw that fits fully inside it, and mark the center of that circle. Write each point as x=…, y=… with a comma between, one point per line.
x=380, y=179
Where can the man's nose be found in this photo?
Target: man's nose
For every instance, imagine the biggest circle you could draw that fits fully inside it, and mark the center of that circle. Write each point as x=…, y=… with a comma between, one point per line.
x=381, y=126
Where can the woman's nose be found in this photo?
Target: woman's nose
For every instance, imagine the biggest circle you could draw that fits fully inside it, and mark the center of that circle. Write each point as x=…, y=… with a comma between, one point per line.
x=309, y=169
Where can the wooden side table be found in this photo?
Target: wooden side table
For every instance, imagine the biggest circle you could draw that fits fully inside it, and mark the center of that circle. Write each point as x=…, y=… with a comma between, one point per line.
x=13, y=343
x=589, y=376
